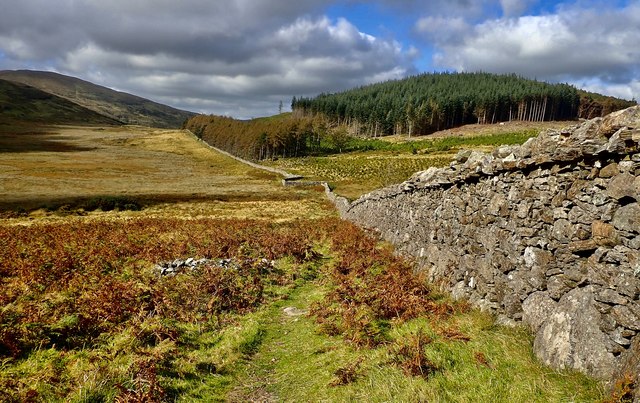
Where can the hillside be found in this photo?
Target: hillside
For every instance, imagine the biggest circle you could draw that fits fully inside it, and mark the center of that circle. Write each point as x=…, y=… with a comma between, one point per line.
x=22, y=103
x=126, y=108
x=427, y=103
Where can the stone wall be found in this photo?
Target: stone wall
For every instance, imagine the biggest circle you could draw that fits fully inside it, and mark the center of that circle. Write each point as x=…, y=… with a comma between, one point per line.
x=547, y=233
x=277, y=171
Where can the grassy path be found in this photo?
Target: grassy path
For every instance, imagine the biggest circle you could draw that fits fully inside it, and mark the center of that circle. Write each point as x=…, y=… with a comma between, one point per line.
x=294, y=363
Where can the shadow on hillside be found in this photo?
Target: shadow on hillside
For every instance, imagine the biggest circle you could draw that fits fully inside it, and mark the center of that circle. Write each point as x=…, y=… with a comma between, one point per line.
x=71, y=204
x=35, y=142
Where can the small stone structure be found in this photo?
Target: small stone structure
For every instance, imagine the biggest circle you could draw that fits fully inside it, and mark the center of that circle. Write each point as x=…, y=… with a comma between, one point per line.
x=179, y=266
x=546, y=233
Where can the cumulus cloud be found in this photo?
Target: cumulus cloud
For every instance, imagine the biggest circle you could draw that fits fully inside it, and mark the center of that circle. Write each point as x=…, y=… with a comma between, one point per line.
x=237, y=57
x=576, y=45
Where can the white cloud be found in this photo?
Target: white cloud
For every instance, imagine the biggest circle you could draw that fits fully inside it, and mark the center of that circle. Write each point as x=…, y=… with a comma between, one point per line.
x=573, y=45
x=626, y=90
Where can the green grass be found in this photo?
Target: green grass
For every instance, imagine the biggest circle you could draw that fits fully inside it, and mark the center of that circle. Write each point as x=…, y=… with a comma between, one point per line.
x=296, y=363
x=268, y=355
x=426, y=146
x=511, y=372
x=369, y=164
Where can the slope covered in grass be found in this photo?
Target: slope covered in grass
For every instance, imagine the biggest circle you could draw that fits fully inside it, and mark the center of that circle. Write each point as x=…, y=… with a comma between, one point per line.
x=23, y=103
x=116, y=105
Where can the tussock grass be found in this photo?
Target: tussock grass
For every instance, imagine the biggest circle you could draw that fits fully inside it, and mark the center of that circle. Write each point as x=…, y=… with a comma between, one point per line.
x=166, y=173
x=146, y=165
x=369, y=164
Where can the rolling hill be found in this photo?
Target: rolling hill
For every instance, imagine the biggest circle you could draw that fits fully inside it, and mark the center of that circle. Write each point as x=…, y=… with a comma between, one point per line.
x=23, y=103
x=427, y=103
x=119, y=106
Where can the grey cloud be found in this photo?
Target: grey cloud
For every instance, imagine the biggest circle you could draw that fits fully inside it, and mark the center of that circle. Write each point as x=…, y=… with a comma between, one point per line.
x=436, y=7
x=515, y=8
x=451, y=30
x=144, y=26
x=238, y=57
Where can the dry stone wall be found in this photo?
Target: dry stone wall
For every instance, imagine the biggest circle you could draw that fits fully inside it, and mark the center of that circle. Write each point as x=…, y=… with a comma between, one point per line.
x=547, y=233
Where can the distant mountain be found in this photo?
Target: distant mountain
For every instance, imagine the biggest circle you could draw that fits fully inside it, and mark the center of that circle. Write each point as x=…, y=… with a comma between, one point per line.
x=120, y=106
x=23, y=103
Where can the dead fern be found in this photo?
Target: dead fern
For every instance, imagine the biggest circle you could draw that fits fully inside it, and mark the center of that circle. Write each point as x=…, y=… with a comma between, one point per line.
x=347, y=374
x=482, y=359
x=453, y=334
x=144, y=387
x=410, y=355
x=623, y=391
x=372, y=287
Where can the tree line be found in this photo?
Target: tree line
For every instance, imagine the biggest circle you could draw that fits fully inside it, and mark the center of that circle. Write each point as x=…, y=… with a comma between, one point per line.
x=278, y=136
x=427, y=103
x=417, y=105
x=594, y=105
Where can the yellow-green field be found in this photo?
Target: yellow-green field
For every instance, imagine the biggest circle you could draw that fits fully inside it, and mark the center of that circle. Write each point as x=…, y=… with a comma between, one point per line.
x=369, y=164
x=163, y=169
x=354, y=174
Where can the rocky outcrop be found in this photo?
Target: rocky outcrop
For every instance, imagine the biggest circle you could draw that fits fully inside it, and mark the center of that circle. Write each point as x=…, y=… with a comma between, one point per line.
x=547, y=233
x=178, y=266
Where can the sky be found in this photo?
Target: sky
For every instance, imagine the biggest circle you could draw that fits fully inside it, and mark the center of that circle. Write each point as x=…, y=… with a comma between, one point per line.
x=240, y=58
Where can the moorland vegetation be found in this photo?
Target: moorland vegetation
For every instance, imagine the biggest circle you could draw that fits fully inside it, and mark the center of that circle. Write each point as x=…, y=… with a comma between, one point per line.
x=87, y=316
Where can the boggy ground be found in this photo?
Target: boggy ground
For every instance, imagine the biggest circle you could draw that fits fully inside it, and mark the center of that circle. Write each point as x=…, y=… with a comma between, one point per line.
x=313, y=309
x=369, y=164
x=64, y=169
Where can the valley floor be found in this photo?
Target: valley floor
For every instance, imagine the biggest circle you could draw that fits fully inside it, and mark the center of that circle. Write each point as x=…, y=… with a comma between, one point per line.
x=64, y=169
